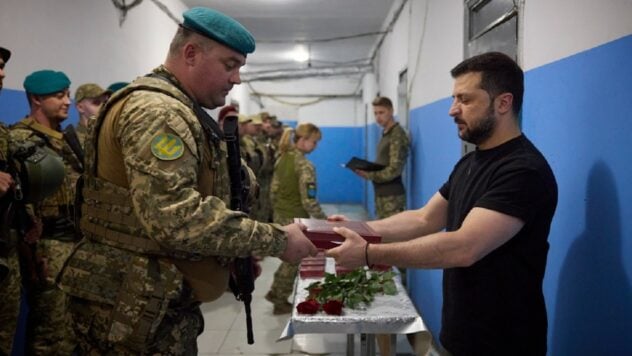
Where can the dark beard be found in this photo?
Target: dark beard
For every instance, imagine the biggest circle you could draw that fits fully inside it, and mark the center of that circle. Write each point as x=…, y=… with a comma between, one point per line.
x=482, y=130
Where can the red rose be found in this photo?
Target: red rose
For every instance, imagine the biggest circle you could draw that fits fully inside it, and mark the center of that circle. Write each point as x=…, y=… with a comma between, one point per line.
x=333, y=307
x=309, y=306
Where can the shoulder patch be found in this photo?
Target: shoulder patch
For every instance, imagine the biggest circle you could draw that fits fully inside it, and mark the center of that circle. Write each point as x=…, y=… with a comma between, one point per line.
x=167, y=147
x=311, y=190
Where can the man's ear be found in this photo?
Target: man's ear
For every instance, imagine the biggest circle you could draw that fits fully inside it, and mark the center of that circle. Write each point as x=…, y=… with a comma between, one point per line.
x=504, y=103
x=190, y=52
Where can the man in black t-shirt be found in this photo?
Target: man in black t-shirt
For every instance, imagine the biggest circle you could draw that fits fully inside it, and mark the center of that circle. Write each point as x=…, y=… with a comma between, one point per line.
x=487, y=226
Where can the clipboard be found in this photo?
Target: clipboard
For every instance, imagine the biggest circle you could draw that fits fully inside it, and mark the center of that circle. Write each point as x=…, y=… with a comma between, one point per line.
x=359, y=163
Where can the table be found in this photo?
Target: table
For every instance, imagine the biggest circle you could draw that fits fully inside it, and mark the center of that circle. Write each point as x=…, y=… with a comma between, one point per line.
x=388, y=314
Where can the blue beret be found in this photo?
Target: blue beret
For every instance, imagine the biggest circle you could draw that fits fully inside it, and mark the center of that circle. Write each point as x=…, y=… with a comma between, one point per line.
x=46, y=81
x=219, y=27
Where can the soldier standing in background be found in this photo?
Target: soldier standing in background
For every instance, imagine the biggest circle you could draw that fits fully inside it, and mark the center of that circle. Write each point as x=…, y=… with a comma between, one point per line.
x=293, y=193
x=9, y=264
x=392, y=151
x=267, y=168
x=48, y=326
x=155, y=201
x=88, y=100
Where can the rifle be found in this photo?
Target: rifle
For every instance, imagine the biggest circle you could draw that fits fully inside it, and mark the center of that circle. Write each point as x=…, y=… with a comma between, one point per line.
x=71, y=138
x=242, y=281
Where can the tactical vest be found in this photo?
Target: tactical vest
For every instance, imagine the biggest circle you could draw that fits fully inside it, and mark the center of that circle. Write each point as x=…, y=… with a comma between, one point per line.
x=287, y=201
x=57, y=209
x=108, y=218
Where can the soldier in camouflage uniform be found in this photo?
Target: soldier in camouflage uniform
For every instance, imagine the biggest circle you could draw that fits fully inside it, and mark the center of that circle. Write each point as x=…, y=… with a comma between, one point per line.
x=264, y=142
x=293, y=196
x=88, y=100
x=392, y=151
x=156, y=188
x=9, y=265
x=48, y=326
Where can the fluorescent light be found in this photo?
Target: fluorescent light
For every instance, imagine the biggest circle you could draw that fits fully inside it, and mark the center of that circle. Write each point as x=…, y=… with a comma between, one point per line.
x=300, y=54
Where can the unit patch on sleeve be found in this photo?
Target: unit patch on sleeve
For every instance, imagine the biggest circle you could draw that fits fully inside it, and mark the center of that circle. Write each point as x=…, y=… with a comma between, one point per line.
x=311, y=190
x=167, y=147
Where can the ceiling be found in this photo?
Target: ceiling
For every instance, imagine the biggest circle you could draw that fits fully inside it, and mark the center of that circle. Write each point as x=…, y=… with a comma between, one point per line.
x=335, y=33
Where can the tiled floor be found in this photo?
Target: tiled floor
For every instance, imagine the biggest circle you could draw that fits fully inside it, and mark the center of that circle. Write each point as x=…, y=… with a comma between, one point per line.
x=225, y=320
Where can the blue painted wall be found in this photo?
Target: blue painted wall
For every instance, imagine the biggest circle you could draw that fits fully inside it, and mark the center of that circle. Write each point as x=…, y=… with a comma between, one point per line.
x=336, y=184
x=576, y=112
x=14, y=106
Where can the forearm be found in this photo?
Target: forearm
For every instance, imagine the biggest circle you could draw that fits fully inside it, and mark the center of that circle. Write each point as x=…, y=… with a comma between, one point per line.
x=438, y=250
x=403, y=226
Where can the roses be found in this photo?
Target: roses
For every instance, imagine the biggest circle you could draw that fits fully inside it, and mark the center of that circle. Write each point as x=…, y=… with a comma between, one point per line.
x=311, y=306
x=349, y=290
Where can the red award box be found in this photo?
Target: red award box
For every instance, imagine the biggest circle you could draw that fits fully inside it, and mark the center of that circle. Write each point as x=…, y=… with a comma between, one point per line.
x=321, y=232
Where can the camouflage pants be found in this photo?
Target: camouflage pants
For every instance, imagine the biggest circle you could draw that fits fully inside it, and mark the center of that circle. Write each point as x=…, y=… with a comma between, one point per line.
x=283, y=283
x=176, y=334
x=389, y=205
x=285, y=275
x=48, y=327
x=9, y=302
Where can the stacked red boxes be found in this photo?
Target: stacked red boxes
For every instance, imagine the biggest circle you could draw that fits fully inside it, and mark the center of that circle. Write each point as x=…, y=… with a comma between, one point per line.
x=312, y=267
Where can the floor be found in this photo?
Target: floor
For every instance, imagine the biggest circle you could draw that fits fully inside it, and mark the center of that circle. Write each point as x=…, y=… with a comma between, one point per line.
x=225, y=320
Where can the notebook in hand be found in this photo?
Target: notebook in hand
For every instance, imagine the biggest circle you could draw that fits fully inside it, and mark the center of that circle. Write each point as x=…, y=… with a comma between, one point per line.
x=359, y=163
x=321, y=232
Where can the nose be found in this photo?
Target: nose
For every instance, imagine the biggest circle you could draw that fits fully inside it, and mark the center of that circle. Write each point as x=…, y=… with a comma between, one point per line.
x=454, y=108
x=236, y=79
x=1, y=73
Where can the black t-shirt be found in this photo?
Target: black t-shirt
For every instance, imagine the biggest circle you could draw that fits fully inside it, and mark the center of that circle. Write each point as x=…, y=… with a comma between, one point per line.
x=496, y=306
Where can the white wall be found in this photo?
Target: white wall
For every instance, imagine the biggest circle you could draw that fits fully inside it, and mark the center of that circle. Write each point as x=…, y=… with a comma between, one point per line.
x=555, y=29
x=83, y=39
x=277, y=98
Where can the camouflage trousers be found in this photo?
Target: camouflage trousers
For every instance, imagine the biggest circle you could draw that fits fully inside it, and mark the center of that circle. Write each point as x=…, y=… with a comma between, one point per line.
x=285, y=275
x=176, y=335
x=283, y=283
x=10, y=289
x=389, y=205
x=48, y=327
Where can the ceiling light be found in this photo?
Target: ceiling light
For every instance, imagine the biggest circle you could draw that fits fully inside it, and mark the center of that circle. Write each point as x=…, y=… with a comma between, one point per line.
x=300, y=54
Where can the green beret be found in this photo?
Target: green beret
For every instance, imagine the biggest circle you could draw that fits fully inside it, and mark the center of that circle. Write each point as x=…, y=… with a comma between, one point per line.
x=219, y=27
x=116, y=86
x=45, y=82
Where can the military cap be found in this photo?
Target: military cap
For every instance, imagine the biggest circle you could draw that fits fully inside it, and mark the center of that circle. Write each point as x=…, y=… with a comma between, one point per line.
x=89, y=91
x=219, y=27
x=5, y=54
x=242, y=119
x=256, y=119
x=46, y=81
x=116, y=86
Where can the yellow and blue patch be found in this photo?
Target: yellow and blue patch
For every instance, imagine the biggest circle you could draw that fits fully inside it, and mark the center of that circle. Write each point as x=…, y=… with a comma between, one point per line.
x=167, y=147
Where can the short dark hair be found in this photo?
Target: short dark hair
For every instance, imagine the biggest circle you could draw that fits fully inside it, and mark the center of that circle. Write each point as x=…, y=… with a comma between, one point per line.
x=383, y=101
x=500, y=74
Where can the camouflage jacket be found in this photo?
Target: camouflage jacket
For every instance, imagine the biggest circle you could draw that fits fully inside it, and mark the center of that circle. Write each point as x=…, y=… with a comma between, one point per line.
x=392, y=151
x=158, y=153
x=58, y=206
x=293, y=187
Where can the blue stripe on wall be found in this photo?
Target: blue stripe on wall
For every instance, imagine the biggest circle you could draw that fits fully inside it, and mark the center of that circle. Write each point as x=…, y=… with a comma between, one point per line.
x=435, y=149
x=336, y=184
x=575, y=111
x=14, y=106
